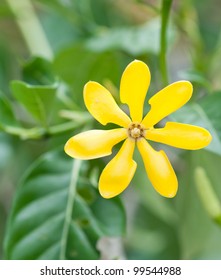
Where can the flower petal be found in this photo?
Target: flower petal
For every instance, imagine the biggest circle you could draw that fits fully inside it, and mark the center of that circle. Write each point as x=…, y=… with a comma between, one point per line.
x=118, y=173
x=180, y=135
x=159, y=169
x=166, y=101
x=94, y=143
x=102, y=106
x=133, y=88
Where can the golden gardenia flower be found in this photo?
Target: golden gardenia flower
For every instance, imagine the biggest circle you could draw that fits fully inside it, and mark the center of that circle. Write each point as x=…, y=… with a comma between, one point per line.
x=119, y=172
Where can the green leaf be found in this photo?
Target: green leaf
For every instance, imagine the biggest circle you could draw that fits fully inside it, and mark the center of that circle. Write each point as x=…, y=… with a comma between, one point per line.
x=6, y=114
x=50, y=220
x=205, y=113
x=9, y=124
x=37, y=100
x=38, y=71
x=135, y=40
x=77, y=65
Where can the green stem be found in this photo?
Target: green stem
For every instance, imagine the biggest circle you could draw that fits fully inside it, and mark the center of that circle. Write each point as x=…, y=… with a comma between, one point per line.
x=40, y=132
x=30, y=28
x=166, y=6
x=70, y=204
x=24, y=133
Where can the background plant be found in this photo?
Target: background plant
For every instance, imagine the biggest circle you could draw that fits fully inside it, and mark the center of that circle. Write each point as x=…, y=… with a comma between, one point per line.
x=48, y=51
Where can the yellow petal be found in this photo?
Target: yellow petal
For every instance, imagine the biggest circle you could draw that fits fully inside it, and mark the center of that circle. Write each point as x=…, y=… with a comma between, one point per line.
x=94, y=143
x=167, y=101
x=159, y=169
x=102, y=106
x=118, y=173
x=180, y=135
x=133, y=88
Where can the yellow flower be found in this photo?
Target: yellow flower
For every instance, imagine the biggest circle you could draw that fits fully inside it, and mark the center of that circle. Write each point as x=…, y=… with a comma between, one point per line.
x=119, y=172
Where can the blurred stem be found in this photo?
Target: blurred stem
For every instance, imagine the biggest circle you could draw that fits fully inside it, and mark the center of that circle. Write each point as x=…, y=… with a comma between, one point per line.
x=207, y=194
x=30, y=28
x=70, y=204
x=166, y=5
x=24, y=133
x=40, y=132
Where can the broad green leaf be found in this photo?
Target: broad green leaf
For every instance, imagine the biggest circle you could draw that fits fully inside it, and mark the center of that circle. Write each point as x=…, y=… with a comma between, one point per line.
x=9, y=124
x=78, y=65
x=135, y=40
x=50, y=220
x=38, y=71
x=37, y=100
x=205, y=113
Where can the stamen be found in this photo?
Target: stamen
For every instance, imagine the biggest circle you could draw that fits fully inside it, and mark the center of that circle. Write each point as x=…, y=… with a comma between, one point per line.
x=136, y=131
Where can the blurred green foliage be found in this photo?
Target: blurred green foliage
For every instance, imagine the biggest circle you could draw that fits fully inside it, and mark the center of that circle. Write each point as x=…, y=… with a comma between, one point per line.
x=41, y=106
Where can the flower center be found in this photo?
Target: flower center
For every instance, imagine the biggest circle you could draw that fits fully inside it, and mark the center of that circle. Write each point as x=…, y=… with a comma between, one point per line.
x=136, y=130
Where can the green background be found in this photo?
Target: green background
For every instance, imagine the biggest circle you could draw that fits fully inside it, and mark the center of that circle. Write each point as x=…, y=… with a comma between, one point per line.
x=49, y=204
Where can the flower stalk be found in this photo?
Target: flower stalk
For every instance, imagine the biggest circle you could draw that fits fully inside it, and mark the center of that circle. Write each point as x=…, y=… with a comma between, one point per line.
x=70, y=204
x=166, y=6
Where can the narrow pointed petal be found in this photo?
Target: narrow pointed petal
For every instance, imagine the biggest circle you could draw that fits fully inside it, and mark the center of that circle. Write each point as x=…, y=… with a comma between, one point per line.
x=102, y=106
x=167, y=101
x=133, y=88
x=118, y=173
x=181, y=135
x=159, y=169
x=94, y=143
